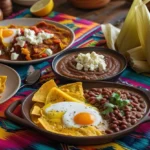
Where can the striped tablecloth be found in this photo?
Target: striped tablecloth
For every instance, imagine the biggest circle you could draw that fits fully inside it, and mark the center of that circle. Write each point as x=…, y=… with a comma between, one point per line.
x=14, y=137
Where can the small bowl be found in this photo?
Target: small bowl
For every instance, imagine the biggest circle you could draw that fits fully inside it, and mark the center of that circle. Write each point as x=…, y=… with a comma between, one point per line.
x=89, y=4
x=59, y=69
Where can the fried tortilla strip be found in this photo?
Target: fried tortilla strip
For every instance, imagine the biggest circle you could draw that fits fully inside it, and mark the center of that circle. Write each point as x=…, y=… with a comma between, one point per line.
x=44, y=124
x=41, y=94
x=73, y=87
x=2, y=83
x=36, y=110
x=35, y=119
x=75, y=90
x=57, y=95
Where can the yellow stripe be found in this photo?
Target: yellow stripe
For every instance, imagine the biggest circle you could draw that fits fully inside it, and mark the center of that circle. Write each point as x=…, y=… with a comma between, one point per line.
x=4, y=134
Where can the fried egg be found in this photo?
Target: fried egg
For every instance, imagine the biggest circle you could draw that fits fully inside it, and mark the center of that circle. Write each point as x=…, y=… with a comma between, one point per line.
x=7, y=35
x=76, y=115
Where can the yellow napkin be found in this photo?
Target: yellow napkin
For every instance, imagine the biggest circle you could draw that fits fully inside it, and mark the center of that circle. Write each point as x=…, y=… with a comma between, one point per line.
x=133, y=39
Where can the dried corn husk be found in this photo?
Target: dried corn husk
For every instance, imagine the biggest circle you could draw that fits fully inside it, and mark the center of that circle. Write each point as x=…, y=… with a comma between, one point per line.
x=111, y=33
x=128, y=37
x=140, y=66
x=143, y=28
x=133, y=40
x=136, y=54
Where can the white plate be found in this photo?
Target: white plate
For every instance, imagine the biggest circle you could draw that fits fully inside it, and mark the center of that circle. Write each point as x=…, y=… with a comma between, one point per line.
x=25, y=2
x=30, y=22
x=12, y=84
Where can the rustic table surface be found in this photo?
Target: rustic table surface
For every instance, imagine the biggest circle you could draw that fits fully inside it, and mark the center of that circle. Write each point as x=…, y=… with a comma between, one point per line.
x=114, y=12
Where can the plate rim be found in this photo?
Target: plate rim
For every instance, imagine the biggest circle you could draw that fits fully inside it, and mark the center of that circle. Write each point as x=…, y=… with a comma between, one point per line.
x=17, y=87
x=41, y=59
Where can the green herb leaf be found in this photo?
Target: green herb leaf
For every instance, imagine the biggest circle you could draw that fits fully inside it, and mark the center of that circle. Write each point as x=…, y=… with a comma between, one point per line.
x=99, y=97
x=109, y=105
x=107, y=111
x=116, y=100
x=115, y=95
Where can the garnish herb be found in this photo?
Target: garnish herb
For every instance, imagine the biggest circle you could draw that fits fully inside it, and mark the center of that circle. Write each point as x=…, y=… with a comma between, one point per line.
x=116, y=99
x=99, y=97
x=109, y=108
x=107, y=111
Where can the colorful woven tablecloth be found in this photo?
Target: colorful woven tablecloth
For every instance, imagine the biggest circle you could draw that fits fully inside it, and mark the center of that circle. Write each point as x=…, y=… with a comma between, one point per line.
x=14, y=137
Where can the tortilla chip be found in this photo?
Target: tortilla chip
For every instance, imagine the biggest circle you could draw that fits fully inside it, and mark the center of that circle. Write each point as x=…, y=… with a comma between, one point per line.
x=41, y=94
x=76, y=95
x=2, y=83
x=74, y=90
x=44, y=124
x=35, y=119
x=36, y=110
x=57, y=95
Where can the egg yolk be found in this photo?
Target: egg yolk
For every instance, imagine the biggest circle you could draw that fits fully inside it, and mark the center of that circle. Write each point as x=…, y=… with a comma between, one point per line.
x=7, y=33
x=84, y=118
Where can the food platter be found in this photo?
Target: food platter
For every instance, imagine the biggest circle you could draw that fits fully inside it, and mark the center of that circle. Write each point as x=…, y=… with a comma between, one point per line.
x=12, y=84
x=31, y=22
x=81, y=140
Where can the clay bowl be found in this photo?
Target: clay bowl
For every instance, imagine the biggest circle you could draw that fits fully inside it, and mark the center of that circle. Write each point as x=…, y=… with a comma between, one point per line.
x=60, y=71
x=26, y=105
x=89, y=4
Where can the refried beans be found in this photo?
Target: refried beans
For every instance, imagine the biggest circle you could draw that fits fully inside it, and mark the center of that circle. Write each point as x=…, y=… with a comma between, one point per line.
x=67, y=67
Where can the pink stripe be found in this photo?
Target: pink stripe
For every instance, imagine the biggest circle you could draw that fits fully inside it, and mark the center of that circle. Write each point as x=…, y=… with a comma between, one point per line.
x=136, y=83
x=15, y=14
x=9, y=144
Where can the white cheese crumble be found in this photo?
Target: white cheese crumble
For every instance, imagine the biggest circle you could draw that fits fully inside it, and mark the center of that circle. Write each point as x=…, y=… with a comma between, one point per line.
x=49, y=52
x=32, y=38
x=14, y=56
x=90, y=61
x=18, y=32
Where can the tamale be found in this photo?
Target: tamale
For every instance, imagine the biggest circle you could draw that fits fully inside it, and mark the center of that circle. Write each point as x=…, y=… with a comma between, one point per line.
x=111, y=33
x=128, y=37
x=136, y=53
x=140, y=66
x=143, y=28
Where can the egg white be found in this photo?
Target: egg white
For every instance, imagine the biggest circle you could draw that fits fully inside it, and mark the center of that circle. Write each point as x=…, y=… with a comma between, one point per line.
x=8, y=40
x=71, y=109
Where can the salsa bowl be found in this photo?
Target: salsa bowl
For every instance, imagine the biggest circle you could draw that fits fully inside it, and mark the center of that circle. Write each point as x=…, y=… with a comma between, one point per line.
x=27, y=104
x=64, y=65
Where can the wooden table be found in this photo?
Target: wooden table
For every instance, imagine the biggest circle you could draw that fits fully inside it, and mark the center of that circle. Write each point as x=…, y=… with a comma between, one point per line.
x=115, y=12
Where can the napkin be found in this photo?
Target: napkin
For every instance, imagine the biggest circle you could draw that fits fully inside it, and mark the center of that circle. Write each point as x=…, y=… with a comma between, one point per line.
x=132, y=40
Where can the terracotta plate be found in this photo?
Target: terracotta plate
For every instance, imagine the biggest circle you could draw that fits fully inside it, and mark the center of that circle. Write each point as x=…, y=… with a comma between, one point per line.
x=12, y=84
x=27, y=104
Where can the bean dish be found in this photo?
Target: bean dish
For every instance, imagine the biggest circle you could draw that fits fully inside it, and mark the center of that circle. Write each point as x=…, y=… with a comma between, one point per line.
x=121, y=108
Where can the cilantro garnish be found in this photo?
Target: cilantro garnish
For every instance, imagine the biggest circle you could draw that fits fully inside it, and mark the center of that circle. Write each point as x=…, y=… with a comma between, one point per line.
x=99, y=97
x=117, y=100
x=109, y=108
x=107, y=111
